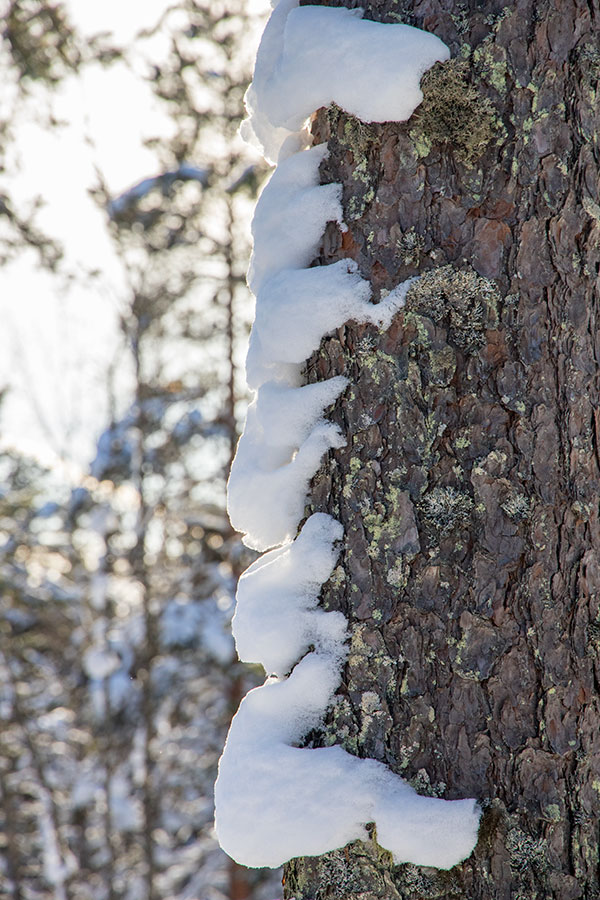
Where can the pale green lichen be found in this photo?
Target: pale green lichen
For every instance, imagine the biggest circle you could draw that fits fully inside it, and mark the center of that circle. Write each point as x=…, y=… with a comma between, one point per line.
x=422, y=143
x=445, y=508
x=459, y=647
x=441, y=364
x=591, y=208
x=363, y=657
x=474, y=183
x=594, y=639
x=399, y=574
x=370, y=358
x=356, y=135
x=371, y=710
x=409, y=244
x=544, y=525
x=453, y=112
x=361, y=172
x=356, y=465
x=337, y=577
x=361, y=870
x=589, y=63
x=341, y=727
x=386, y=521
x=459, y=298
x=422, y=783
x=517, y=507
x=524, y=851
x=491, y=65
x=357, y=206
x=552, y=812
x=423, y=337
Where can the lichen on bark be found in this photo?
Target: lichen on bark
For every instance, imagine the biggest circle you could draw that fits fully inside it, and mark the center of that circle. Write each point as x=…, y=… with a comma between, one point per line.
x=454, y=112
x=332, y=877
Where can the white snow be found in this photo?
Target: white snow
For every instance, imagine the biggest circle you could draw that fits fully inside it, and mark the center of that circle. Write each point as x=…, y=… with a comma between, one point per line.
x=125, y=812
x=312, y=56
x=180, y=623
x=288, y=415
x=100, y=662
x=108, y=670
x=257, y=129
x=272, y=468
x=274, y=799
x=291, y=215
x=185, y=624
x=295, y=309
x=165, y=181
x=276, y=618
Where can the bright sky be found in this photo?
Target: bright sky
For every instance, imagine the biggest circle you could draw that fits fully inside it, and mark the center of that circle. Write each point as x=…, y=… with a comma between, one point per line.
x=55, y=345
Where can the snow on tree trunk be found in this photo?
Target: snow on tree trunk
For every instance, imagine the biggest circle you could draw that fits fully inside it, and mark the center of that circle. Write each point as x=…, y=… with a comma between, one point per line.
x=277, y=798
x=468, y=486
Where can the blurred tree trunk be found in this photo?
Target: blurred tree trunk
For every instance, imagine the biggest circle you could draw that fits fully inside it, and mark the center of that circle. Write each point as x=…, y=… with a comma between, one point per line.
x=469, y=485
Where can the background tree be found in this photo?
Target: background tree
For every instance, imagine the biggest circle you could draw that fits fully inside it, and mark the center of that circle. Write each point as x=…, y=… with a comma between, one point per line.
x=467, y=487
x=116, y=664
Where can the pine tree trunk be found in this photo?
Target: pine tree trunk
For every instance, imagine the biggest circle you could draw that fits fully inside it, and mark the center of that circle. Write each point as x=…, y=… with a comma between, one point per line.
x=469, y=485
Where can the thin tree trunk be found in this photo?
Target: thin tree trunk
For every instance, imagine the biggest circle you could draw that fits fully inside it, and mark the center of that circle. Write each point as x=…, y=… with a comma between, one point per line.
x=469, y=485
x=229, y=298
x=54, y=843
x=150, y=798
x=12, y=860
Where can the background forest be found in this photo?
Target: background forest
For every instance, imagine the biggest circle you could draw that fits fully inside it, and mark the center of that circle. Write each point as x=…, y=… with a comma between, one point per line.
x=117, y=562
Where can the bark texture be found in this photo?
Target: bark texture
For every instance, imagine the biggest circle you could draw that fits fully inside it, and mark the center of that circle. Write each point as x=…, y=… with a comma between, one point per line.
x=469, y=485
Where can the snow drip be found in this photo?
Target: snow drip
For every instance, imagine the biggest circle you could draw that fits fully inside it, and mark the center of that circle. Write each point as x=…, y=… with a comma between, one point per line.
x=276, y=800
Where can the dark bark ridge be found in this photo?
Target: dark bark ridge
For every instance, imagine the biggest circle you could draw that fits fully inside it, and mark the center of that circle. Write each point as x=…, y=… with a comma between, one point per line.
x=469, y=485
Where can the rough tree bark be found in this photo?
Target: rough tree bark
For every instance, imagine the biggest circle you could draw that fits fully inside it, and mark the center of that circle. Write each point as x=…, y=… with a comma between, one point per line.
x=469, y=485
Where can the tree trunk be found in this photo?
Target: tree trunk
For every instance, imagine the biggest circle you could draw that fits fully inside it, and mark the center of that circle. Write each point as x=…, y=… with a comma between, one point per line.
x=469, y=485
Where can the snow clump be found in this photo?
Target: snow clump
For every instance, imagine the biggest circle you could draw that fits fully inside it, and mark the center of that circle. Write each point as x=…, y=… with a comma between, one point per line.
x=291, y=215
x=273, y=465
x=277, y=618
x=276, y=801
x=312, y=56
